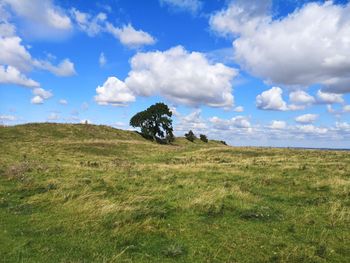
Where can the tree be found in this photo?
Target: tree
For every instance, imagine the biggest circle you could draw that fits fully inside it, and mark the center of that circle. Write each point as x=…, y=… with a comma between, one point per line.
x=155, y=122
x=190, y=136
x=203, y=138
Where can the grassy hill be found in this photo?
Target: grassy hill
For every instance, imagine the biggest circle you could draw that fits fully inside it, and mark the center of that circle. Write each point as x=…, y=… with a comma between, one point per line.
x=86, y=193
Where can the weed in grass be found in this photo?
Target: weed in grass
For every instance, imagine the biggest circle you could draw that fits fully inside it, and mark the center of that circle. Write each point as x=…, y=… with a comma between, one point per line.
x=261, y=213
x=174, y=251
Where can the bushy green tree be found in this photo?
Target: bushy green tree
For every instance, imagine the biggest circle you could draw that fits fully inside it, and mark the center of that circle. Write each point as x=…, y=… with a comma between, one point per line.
x=190, y=136
x=155, y=122
x=203, y=138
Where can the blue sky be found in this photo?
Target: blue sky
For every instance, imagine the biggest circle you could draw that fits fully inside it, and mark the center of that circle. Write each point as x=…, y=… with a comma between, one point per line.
x=265, y=73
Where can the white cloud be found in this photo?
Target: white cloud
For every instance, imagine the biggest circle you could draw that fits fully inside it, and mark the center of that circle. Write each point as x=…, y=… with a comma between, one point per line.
x=64, y=69
x=241, y=122
x=271, y=100
x=346, y=108
x=301, y=97
x=240, y=131
x=241, y=17
x=53, y=117
x=306, y=118
x=309, y=46
x=11, y=75
x=329, y=98
x=192, y=6
x=102, y=59
x=13, y=53
x=6, y=29
x=42, y=93
x=193, y=121
x=311, y=129
x=278, y=125
x=114, y=92
x=174, y=111
x=63, y=102
x=37, y=100
x=238, y=109
x=7, y=118
x=41, y=96
x=343, y=126
x=41, y=18
x=129, y=36
x=182, y=77
x=91, y=25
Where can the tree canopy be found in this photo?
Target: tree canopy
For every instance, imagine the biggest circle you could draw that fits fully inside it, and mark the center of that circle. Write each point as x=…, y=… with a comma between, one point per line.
x=155, y=122
x=203, y=138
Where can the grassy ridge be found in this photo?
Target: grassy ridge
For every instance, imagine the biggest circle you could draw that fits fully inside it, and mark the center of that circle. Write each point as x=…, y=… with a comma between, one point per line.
x=85, y=193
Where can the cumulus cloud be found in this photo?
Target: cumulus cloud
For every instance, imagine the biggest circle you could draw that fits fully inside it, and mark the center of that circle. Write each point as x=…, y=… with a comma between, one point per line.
x=13, y=53
x=241, y=17
x=235, y=122
x=311, y=129
x=182, y=77
x=344, y=126
x=37, y=100
x=240, y=130
x=329, y=98
x=306, y=118
x=192, y=121
x=278, y=125
x=114, y=92
x=240, y=122
x=301, y=97
x=192, y=6
x=276, y=50
x=91, y=25
x=129, y=36
x=42, y=18
x=11, y=75
x=40, y=95
x=271, y=100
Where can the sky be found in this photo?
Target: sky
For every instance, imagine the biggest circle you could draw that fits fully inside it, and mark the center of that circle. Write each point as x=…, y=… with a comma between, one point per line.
x=249, y=72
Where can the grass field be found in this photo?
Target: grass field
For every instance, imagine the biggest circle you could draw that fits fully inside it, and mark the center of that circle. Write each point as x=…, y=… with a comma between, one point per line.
x=85, y=193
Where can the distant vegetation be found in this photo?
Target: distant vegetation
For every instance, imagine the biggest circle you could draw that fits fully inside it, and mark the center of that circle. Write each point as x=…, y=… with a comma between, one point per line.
x=190, y=136
x=87, y=193
x=203, y=138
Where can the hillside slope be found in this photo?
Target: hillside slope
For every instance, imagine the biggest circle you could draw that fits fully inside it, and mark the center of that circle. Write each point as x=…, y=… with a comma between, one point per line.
x=86, y=193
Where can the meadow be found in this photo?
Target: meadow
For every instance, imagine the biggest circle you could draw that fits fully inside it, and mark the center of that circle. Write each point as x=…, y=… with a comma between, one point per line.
x=86, y=193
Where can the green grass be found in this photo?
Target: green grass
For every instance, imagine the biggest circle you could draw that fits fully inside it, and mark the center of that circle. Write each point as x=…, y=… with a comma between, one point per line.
x=85, y=193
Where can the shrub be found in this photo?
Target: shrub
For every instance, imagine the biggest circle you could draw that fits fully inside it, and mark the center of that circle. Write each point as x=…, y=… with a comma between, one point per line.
x=203, y=138
x=190, y=136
